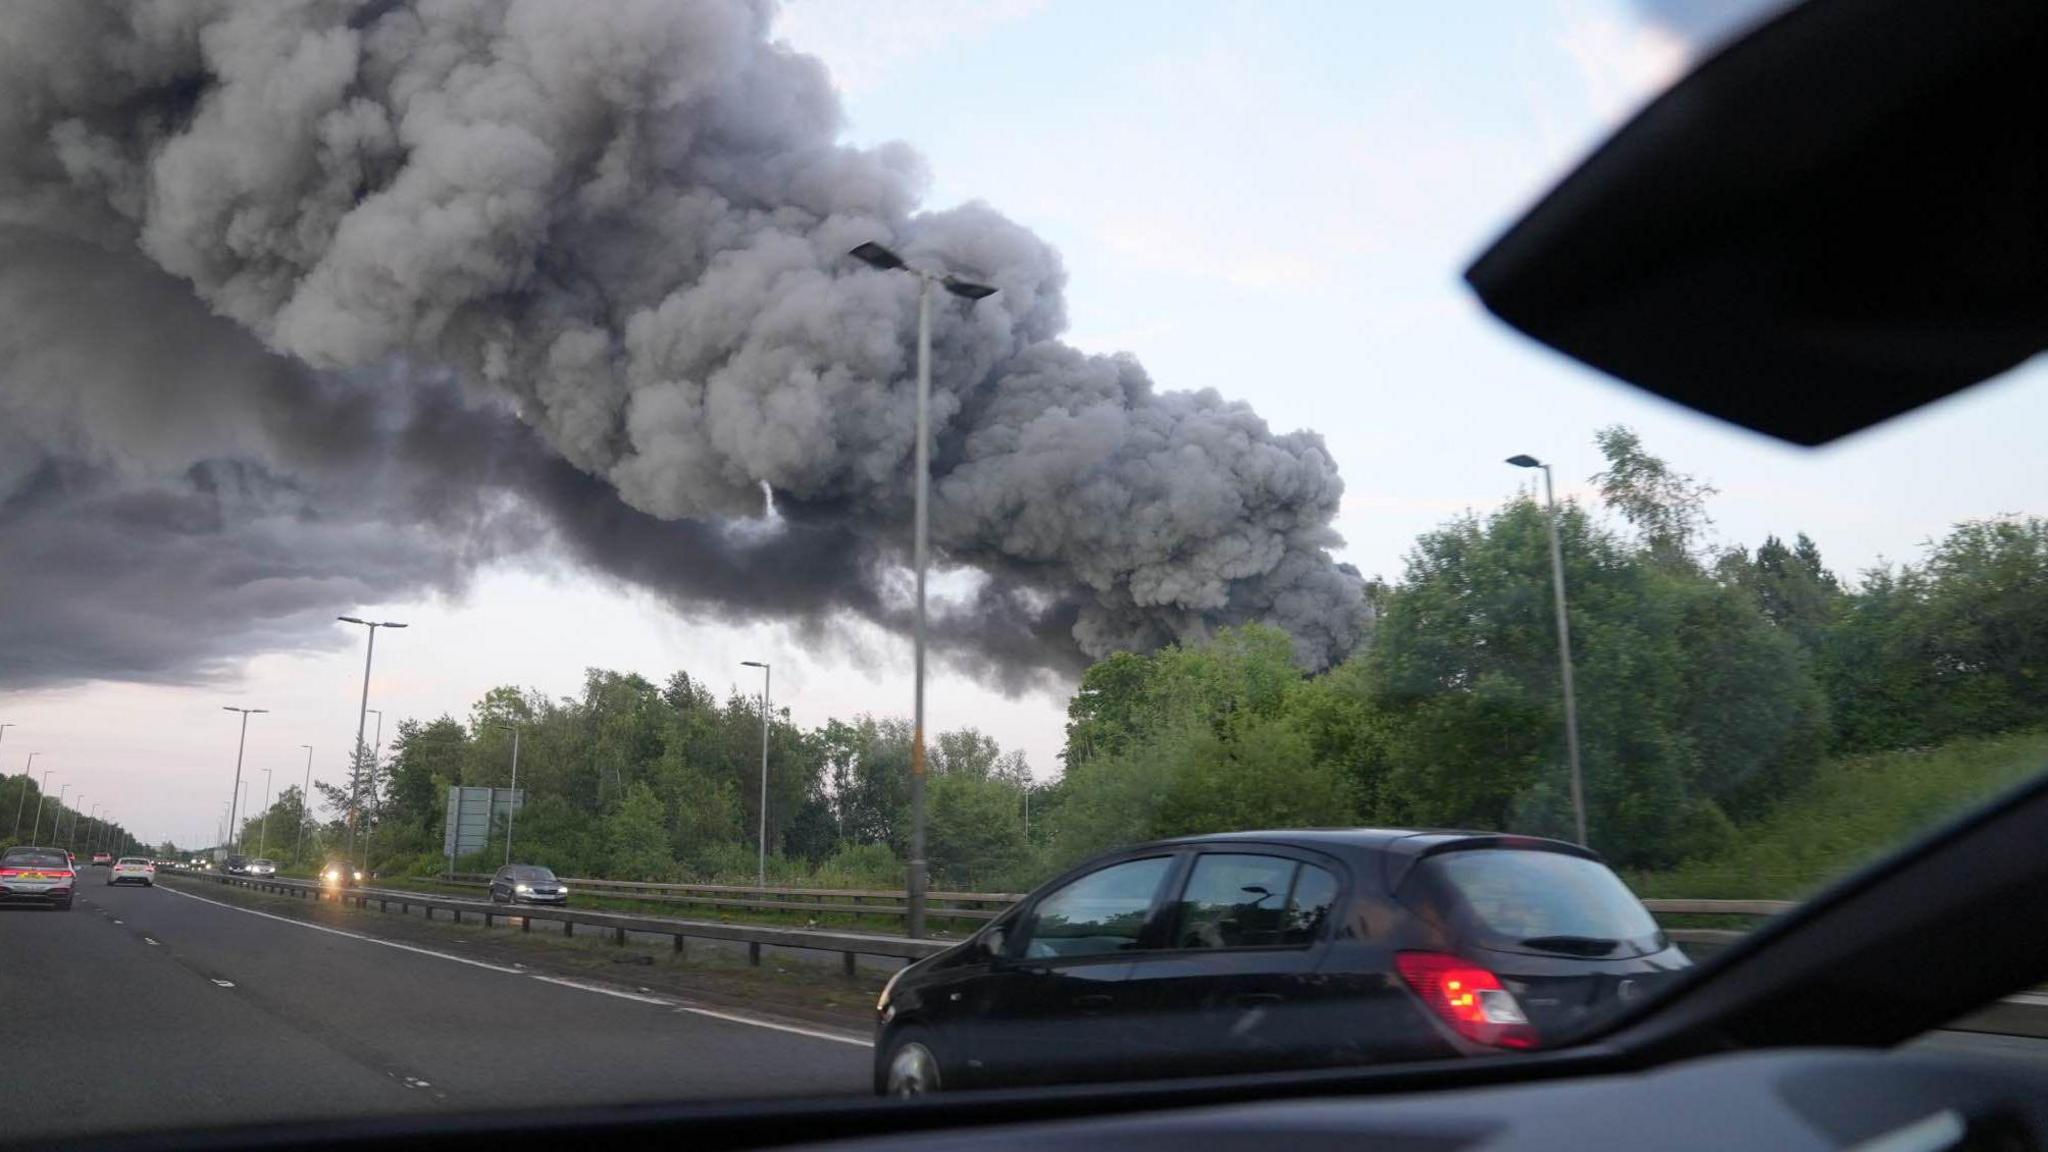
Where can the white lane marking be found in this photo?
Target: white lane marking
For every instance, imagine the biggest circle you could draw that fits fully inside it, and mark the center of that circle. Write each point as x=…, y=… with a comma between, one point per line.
x=350, y=935
x=120, y=921
x=729, y=1017
x=147, y=940
x=225, y=983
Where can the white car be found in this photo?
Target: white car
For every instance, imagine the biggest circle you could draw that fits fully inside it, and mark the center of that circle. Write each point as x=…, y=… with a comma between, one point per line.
x=261, y=867
x=132, y=870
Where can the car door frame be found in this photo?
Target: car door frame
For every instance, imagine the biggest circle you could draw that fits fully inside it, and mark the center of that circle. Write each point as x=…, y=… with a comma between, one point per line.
x=1177, y=1023
x=499, y=878
x=1012, y=1039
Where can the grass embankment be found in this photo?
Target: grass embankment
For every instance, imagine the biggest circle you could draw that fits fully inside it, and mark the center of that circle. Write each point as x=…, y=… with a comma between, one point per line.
x=1855, y=809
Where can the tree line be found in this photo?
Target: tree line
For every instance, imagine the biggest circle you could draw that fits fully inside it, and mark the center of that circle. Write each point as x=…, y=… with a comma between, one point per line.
x=1712, y=680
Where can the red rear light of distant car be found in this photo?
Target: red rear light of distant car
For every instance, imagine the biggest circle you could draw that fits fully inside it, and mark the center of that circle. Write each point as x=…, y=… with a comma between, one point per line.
x=1468, y=998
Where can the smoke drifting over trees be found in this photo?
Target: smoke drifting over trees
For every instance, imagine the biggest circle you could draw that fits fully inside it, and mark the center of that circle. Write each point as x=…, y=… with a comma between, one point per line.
x=319, y=303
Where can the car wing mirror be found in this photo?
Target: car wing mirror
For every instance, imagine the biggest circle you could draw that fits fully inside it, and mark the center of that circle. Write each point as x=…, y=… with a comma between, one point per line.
x=994, y=943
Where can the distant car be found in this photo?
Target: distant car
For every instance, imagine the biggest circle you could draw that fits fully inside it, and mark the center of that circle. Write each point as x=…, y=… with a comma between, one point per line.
x=340, y=874
x=102, y=859
x=527, y=884
x=261, y=867
x=235, y=865
x=31, y=875
x=1277, y=950
x=133, y=870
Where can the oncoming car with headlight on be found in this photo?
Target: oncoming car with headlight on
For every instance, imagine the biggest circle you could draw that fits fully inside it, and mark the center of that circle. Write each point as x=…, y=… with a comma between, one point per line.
x=340, y=874
x=528, y=884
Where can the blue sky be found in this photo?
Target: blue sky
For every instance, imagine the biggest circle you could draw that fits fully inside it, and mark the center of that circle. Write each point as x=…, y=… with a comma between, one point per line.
x=1270, y=199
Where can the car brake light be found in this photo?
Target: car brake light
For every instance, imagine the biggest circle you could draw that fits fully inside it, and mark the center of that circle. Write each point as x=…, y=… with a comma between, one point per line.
x=1468, y=998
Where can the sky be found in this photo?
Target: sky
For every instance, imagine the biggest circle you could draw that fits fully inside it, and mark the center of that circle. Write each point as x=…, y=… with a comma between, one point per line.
x=1273, y=200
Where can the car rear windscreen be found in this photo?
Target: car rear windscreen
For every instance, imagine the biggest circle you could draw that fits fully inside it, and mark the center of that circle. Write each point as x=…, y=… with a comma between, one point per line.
x=133, y=860
x=1546, y=900
x=34, y=860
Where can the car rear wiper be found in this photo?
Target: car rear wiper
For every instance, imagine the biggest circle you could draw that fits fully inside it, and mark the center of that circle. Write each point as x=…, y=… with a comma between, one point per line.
x=1576, y=945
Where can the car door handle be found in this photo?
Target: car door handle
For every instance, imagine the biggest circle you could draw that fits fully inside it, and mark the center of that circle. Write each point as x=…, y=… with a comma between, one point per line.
x=1098, y=1000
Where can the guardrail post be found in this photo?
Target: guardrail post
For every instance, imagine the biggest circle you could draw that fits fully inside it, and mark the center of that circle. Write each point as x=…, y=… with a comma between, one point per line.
x=754, y=954
x=846, y=962
x=487, y=919
x=526, y=923
x=678, y=946
x=568, y=927
x=428, y=909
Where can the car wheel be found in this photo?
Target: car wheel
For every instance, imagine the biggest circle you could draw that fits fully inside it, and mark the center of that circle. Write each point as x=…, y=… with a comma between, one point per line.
x=912, y=1068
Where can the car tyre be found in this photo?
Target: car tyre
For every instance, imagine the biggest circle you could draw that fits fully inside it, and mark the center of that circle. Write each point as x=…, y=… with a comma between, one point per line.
x=912, y=1067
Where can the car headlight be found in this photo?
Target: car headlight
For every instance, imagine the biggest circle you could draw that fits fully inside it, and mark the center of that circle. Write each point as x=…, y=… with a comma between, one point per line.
x=882, y=1004
x=359, y=877
x=527, y=888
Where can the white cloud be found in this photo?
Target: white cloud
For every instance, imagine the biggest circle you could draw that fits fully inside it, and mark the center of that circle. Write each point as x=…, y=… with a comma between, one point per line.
x=862, y=41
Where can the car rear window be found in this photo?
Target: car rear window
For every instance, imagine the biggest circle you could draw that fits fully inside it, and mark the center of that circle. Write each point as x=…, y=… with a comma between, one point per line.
x=1545, y=901
x=33, y=860
x=133, y=860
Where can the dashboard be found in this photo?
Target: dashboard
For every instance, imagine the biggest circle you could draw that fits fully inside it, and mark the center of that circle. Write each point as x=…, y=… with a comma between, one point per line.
x=1910, y=1100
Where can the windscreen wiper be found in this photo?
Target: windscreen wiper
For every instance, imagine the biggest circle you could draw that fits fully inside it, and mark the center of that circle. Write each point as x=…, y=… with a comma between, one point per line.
x=1575, y=945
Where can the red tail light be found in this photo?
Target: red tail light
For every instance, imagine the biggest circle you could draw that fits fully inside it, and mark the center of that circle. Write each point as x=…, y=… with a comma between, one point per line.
x=1468, y=998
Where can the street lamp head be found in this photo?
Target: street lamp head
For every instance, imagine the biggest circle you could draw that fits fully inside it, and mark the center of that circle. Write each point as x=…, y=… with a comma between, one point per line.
x=351, y=620
x=507, y=727
x=1525, y=461
x=967, y=290
x=391, y=624
x=876, y=256
x=752, y=664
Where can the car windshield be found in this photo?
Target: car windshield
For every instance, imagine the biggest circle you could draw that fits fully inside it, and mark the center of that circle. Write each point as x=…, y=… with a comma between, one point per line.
x=990, y=546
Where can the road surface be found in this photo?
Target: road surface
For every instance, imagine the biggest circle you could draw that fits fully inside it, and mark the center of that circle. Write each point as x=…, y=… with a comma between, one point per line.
x=149, y=1008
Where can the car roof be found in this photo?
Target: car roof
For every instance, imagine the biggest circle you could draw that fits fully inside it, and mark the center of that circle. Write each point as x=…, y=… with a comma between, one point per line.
x=1383, y=841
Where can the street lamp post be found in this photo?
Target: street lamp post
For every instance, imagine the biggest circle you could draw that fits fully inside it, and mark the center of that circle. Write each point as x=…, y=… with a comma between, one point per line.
x=512, y=802
x=877, y=256
x=362, y=715
x=241, y=742
x=73, y=839
x=1564, y=644
x=305, y=807
x=27, y=778
x=54, y=816
x=761, y=868
x=263, y=830
x=374, y=807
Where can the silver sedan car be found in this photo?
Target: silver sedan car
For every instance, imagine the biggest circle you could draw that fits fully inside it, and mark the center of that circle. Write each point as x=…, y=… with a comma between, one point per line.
x=132, y=870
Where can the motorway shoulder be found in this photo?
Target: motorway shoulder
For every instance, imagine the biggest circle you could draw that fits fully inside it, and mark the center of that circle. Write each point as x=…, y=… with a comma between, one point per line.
x=159, y=1008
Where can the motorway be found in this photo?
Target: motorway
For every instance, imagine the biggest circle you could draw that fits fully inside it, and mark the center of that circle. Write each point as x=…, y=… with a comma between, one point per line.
x=152, y=1007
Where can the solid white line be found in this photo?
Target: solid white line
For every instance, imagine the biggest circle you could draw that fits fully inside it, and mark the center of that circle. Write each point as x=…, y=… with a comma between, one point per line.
x=679, y=1006
x=350, y=935
x=729, y=1017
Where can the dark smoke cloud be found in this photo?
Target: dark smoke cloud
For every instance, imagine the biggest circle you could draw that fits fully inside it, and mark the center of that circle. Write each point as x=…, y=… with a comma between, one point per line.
x=326, y=302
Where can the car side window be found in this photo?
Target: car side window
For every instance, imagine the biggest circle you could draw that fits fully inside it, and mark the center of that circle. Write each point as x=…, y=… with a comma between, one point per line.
x=1104, y=911
x=1244, y=900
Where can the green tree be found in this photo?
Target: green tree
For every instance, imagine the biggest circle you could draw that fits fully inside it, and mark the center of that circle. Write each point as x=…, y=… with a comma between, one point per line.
x=636, y=843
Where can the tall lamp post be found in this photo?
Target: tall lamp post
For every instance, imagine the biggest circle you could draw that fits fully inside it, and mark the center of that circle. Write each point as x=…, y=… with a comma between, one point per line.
x=305, y=806
x=240, y=743
x=761, y=868
x=54, y=816
x=1564, y=644
x=362, y=715
x=73, y=840
x=876, y=256
x=263, y=829
x=28, y=775
x=512, y=802
x=370, y=786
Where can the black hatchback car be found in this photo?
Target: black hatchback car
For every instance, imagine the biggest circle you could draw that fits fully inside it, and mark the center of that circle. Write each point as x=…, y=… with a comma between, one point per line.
x=1271, y=950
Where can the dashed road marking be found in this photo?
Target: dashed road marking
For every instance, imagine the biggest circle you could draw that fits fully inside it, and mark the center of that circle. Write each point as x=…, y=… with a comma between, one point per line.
x=147, y=940
x=224, y=983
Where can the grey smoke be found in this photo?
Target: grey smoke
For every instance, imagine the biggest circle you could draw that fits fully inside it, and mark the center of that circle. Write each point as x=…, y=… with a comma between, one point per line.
x=317, y=252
